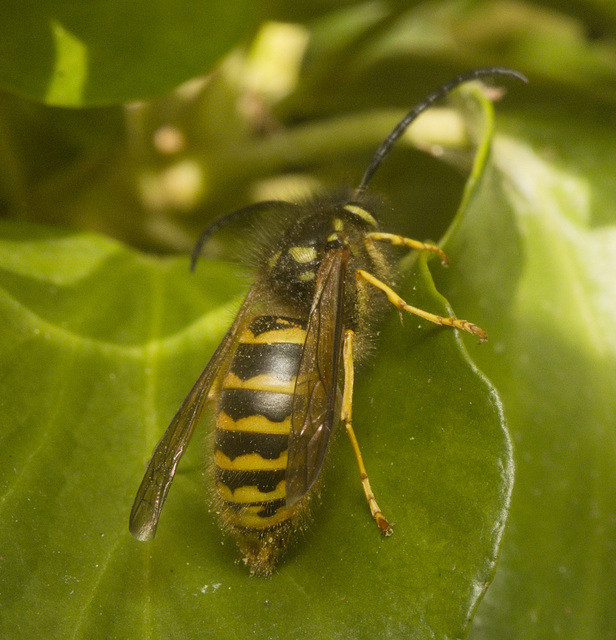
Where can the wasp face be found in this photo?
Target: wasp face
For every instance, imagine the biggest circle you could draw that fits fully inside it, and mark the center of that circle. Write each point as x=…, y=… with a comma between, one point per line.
x=294, y=266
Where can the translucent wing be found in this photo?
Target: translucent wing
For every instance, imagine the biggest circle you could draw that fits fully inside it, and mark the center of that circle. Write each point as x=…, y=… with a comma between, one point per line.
x=159, y=474
x=314, y=401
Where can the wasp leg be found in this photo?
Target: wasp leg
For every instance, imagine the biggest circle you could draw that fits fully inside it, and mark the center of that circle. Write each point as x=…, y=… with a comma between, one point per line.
x=347, y=402
x=400, y=241
x=398, y=302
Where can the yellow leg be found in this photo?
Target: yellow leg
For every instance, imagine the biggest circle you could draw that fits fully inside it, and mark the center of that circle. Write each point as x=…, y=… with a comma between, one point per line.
x=399, y=303
x=347, y=403
x=400, y=241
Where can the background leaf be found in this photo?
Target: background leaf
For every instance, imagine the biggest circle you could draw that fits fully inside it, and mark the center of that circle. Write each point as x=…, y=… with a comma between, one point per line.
x=75, y=53
x=545, y=282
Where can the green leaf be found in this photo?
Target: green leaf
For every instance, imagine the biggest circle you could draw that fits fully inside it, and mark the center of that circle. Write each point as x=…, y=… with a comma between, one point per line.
x=82, y=53
x=99, y=347
x=537, y=261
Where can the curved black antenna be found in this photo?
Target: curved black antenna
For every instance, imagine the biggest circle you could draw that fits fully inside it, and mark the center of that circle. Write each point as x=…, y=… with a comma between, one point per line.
x=232, y=216
x=441, y=92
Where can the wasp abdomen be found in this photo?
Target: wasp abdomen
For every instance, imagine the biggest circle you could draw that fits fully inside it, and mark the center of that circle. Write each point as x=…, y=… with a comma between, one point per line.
x=253, y=421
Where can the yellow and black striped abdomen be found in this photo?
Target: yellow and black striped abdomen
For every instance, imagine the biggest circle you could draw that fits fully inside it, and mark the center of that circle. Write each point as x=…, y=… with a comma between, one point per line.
x=253, y=421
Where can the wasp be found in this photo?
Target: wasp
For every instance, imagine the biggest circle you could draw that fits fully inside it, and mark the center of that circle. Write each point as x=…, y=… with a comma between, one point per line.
x=282, y=377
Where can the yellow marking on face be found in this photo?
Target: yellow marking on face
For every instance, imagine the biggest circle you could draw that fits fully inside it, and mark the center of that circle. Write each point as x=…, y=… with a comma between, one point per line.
x=250, y=493
x=256, y=424
x=338, y=224
x=262, y=382
x=273, y=260
x=293, y=334
x=362, y=213
x=306, y=277
x=250, y=462
x=303, y=254
x=332, y=237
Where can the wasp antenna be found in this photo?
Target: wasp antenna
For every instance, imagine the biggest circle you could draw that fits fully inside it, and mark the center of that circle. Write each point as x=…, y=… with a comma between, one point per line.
x=233, y=216
x=439, y=93
x=205, y=234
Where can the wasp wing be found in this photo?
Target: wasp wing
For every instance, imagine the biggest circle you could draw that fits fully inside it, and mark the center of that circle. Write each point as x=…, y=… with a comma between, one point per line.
x=316, y=387
x=159, y=474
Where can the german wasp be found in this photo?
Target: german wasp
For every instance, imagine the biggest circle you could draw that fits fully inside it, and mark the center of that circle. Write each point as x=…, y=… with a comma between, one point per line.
x=282, y=377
